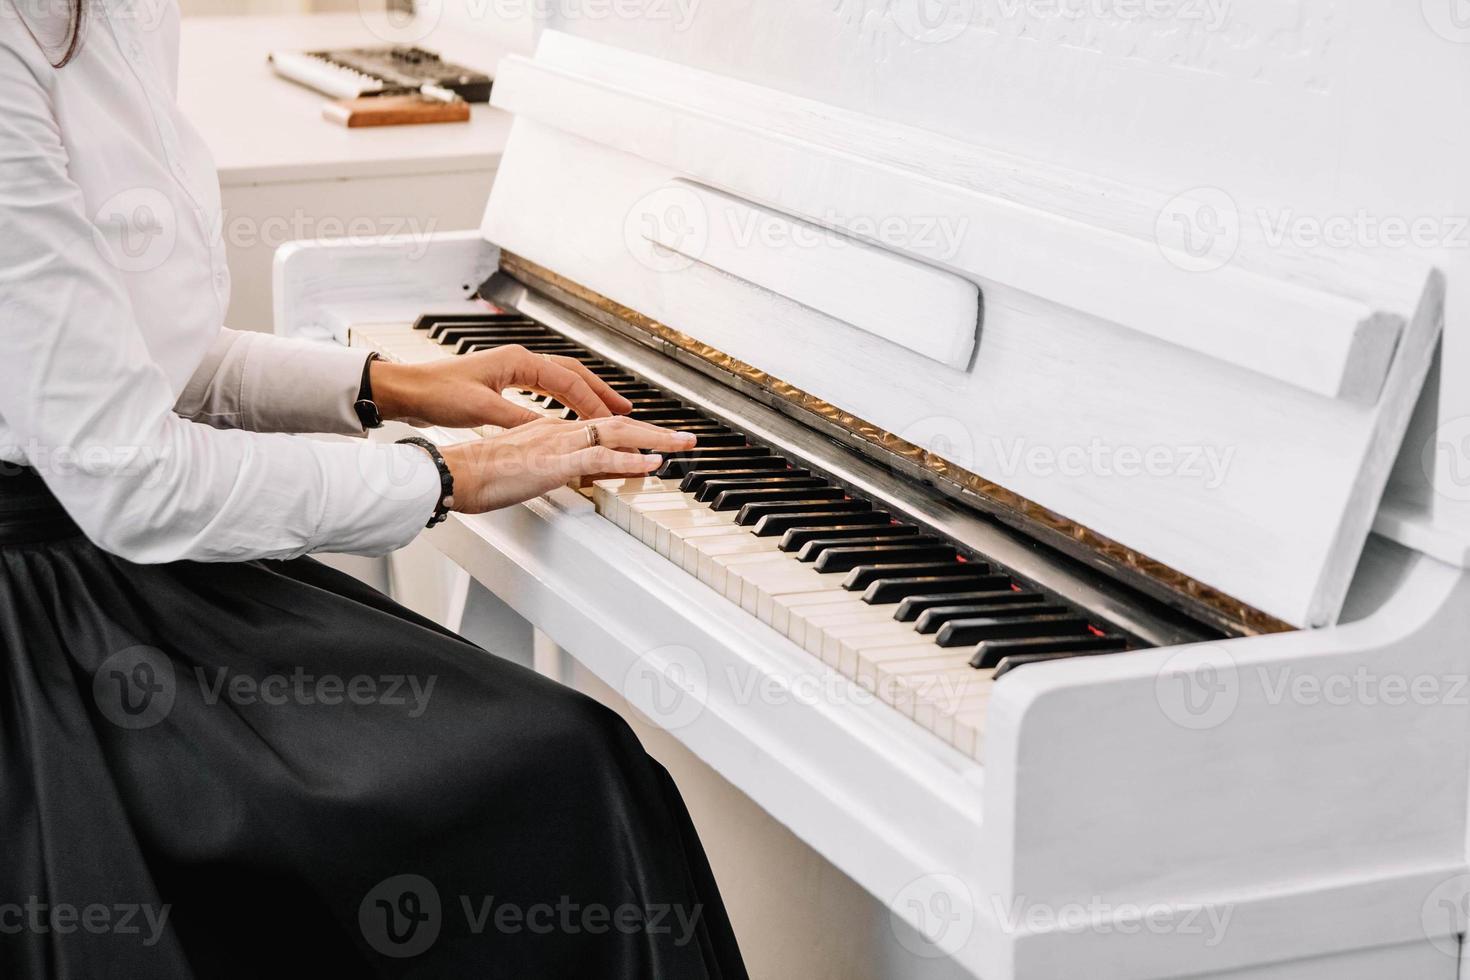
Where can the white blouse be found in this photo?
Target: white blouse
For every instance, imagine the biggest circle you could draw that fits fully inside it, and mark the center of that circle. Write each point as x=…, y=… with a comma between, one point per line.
x=117, y=380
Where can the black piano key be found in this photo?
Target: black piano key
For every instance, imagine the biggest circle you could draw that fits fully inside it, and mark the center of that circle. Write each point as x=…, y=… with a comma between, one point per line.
x=798, y=538
x=431, y=320
x=884, y=591
x=439, y=331
x=470, y=345
x=870, y=544
x=683, y=467
x=911, y=607
x=453, y=334
x=717, y=440
x=932, y=620
x=631, y=391
x=865, y=575
x=774, y=518
x=992, y=651
x=1012, y=661
x=719, y=452
x=715, y=489
x=641, y=402
x=968, y=632
x=664, y=416
x=845, y=559
x=736, y=499
x=695, y=481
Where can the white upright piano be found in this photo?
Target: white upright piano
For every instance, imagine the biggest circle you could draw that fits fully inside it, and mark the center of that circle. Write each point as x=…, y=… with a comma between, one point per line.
x=1075, y=551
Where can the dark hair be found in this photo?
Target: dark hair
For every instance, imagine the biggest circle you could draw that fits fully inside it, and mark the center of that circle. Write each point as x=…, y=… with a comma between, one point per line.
x=71, y=40
x=73, y=35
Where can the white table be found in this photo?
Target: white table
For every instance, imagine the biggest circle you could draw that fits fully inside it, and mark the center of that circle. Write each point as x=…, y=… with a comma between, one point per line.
x=285, y=173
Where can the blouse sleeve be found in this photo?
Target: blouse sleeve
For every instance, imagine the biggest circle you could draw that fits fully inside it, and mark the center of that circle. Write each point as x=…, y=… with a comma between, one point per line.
x=84, y=403
x=266, y=383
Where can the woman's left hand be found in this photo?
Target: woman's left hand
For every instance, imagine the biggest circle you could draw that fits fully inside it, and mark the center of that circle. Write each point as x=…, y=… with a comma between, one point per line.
x=464, y=391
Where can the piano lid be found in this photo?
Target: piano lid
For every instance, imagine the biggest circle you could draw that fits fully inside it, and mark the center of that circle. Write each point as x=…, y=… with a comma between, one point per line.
x=1131, y=270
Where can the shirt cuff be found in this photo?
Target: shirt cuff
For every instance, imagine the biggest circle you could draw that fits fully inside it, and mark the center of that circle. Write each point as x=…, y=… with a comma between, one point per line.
x=301, y=386
x=379, y=497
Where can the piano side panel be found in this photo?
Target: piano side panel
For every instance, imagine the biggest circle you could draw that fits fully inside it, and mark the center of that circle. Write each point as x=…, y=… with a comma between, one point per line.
x=1275, y=798
x=1241, y=482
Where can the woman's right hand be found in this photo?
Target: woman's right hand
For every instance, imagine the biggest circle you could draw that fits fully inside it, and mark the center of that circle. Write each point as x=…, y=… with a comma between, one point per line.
x=530, y=459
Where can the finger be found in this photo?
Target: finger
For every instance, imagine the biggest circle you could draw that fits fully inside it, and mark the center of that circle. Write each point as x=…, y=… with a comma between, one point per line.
x=497, y=410
x=600, y=460
x=615, y=402
x=626, y=433
x=544, y=375
x=620, y=432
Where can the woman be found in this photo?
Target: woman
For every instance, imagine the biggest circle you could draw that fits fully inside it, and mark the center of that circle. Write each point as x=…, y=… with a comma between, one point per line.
x=219, y=758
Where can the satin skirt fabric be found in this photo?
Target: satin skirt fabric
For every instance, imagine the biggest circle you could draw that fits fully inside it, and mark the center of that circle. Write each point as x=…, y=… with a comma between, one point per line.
x=268, y=769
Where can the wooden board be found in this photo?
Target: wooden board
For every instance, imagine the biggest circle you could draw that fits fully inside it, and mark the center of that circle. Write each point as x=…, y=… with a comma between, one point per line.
x=394, y=110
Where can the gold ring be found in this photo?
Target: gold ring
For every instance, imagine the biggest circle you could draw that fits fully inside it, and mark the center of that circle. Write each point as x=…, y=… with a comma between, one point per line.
x=593, y=439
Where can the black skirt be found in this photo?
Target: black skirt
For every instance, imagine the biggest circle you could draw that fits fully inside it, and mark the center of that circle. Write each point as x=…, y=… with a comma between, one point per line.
x=268, y=769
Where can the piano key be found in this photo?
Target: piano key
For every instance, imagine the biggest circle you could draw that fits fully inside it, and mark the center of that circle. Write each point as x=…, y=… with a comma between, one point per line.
x=439, y=332
x=711, y=452
x=665, y=416
x=736, y=499
x=968, y=632
x=798, y=538
x=910, y=607
x=640, y=402
x=865, y=575
x=932, y=619
x=880, y=545
x=708, y=551
x=990, y=653
x=430, y=323
x=683, y=467
x=889, y=590
x=843, y=559
x=733, y=440
x=450, y=335
x=778, y=519
x=715, y=490
x=694, y=482
x=673, y=536
x=1008, y=664
x=936, y=678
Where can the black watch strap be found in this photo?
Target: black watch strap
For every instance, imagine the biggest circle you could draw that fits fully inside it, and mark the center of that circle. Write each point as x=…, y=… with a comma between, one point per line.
x=366, y=408
x=446, y=478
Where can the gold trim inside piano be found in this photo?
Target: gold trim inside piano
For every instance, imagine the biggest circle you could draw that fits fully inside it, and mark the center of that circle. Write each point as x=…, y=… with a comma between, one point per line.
x=1225, y=611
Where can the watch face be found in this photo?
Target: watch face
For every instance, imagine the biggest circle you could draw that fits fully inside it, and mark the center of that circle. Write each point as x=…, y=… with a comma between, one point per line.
x=367, y=414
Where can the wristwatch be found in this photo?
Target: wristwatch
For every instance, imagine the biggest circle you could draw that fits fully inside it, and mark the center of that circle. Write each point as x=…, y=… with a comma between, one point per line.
x=366, y=408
